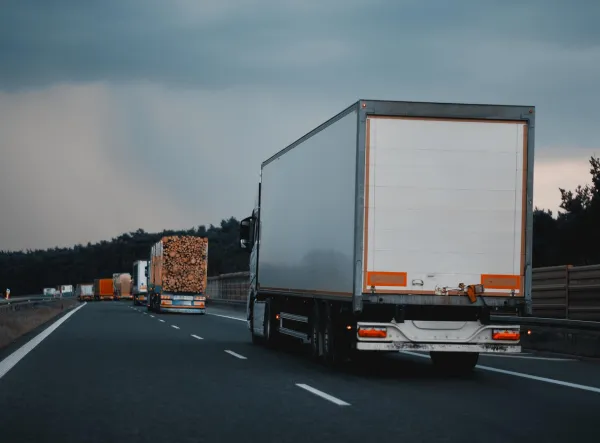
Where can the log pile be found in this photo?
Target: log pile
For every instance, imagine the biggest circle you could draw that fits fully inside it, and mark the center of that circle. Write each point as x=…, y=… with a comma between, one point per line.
x=184, y=264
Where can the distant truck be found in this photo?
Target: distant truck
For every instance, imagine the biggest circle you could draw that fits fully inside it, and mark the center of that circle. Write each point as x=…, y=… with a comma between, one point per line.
x=66, y=290
x=103, y=289
x=84, y=292
x=396, y=226
x=140, y=282
x=122, y=286
x=49, y=292
x=178, y=275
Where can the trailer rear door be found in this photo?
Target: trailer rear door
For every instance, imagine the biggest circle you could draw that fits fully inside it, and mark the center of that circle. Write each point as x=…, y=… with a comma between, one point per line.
x=445, y=203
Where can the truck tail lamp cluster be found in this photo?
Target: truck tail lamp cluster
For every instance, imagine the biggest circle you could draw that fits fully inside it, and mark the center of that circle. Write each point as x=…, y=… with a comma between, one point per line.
x=372, y=332
x=506, y=334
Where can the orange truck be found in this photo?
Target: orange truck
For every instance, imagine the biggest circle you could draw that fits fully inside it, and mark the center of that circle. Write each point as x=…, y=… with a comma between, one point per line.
x=103, y=289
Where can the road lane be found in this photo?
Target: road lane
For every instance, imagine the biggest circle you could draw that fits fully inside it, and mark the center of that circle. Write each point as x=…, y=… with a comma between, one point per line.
x=113, y=374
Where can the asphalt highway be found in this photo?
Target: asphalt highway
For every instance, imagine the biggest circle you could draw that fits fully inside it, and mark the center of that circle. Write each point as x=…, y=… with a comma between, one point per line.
x=110, y=372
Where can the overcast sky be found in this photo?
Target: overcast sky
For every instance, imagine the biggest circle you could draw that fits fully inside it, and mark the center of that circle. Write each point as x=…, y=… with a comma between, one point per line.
x=124, y=114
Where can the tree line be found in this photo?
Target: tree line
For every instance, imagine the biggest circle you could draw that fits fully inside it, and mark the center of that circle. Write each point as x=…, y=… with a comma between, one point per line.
x=572, y=237
x=27, y=272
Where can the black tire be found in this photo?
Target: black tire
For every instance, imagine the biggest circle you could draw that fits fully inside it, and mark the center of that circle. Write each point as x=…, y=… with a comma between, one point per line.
x=272, y=337
x=455, y=363
x=256, y=340
x=315, y=333
x=330, y=355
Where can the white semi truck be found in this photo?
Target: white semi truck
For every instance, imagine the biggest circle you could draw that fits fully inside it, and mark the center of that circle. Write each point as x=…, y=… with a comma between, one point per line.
x=396, y=226
x=140, y=282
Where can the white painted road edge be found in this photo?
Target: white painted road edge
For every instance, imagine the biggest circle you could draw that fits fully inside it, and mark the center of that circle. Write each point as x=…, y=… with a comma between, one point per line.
x=522, y=375
x=241, y=357
x=322, y=394
x=9, y=362
x=227, y=316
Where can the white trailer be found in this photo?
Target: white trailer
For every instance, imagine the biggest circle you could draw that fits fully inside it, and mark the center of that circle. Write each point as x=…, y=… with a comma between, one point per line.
x=84, y=292
x=49, y=292
x=140, y=282
x=66, y=290
x=396, y=226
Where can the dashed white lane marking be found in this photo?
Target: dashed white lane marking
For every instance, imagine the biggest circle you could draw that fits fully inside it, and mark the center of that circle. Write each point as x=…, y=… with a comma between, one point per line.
x=176, y=327
x=227, y=316
x=145, y=313
x=9, y=362
x=322, y=394
x=161, y=320
x=195, y=336
x=235, y=354
x=151, y=315
x=522, y=375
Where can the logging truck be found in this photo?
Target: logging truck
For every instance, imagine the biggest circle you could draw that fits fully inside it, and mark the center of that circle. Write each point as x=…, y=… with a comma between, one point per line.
x=177, y=275
x=396, y=226
x=140, y=282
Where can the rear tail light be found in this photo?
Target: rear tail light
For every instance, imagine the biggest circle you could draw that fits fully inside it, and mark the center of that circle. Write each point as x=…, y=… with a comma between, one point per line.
x=506, y=334
x=372, y=332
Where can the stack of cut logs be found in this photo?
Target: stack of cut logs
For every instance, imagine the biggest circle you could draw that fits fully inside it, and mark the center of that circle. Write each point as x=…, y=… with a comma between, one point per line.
x=184, y=264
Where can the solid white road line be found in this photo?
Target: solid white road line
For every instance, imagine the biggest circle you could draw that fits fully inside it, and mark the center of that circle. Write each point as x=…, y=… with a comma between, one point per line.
x=161, y=320
x=241, y=357
x=227, y=316
x=522, y=375
x=528, y=357
x=322, y=394
x=176, y=327
x=195, y=336
x=9, y=362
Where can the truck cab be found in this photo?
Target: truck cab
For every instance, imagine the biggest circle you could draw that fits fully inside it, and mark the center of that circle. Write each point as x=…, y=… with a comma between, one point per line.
x=249, y=240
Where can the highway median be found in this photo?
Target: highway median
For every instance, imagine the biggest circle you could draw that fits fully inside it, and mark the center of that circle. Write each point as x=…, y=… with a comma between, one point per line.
x=19, y=319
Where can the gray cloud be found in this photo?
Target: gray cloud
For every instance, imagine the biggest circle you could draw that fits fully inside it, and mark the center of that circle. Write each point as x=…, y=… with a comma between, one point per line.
x=169, y=107
x=214, y=45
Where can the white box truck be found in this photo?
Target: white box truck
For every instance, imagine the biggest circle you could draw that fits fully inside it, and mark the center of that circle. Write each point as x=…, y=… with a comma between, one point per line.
x=66, y=290
x=396, y=226
x=140, y=282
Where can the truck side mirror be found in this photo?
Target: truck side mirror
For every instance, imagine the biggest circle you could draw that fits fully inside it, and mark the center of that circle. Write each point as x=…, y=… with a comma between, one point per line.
x=245, y=225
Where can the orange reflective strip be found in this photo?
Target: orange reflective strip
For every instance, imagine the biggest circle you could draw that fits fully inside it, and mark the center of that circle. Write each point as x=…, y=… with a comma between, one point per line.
x=387, y=278
x=501, y=281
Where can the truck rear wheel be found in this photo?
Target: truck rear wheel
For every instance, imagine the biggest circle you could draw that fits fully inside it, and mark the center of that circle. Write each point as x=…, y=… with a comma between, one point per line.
x=272, y=336
x=455, y=363
x=315, y=333
x=332, y=341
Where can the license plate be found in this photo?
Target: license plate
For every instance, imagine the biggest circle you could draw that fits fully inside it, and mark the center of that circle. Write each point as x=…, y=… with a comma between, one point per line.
x=183, y=297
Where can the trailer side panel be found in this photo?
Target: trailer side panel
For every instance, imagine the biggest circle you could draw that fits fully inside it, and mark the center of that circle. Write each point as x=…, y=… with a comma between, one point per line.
x=307, y=213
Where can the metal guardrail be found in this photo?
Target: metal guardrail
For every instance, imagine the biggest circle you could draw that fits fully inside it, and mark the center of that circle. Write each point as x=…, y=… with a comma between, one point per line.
x=568, y=292
x=561, y=323
x=25, y=302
